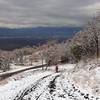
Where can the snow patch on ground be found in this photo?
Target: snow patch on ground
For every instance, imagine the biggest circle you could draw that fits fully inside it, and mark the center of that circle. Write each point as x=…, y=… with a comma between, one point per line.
x=10, y=90
x=87, y=80
x=13, y=66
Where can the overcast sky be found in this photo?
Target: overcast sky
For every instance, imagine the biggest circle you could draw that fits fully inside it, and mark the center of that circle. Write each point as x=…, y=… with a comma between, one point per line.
x=33, y=13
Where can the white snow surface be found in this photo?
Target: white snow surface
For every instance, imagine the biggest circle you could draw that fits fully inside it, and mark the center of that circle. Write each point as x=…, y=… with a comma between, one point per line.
x=9, y=91
x=48, y=85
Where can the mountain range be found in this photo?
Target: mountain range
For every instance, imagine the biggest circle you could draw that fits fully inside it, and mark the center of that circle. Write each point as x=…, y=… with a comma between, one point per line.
x=20, y=37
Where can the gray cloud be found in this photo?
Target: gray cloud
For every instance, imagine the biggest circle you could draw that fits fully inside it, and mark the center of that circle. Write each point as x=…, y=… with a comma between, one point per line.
x=28, y=13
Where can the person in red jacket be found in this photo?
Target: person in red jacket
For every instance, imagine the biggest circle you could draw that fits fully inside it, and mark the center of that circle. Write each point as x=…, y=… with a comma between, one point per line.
x=56, y=68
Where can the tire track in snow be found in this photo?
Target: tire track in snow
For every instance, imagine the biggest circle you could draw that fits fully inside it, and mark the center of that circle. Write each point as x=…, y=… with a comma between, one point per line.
x=73, y=93
x=29, y=89
x=34, y=87
x=53, y=86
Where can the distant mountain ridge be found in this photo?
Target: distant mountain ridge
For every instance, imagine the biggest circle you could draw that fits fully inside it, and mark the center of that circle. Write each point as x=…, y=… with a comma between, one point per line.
x=16, y=38
x=38, y=32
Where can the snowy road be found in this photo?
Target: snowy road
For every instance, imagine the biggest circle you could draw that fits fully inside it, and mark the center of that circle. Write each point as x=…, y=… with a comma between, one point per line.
x=54, y=86
x=44, y=85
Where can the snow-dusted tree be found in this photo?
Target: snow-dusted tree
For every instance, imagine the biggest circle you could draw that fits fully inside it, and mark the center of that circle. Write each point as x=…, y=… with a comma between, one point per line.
x=42, y=56
x=50, y=55
x=19, y=57
x=88, y=39
x=4, y=64
x=65, y=52
x=94, y=29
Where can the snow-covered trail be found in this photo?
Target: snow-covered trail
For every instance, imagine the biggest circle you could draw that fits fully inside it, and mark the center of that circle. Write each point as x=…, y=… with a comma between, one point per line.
x=36, y=89
x=54, y=86
x=44, y=85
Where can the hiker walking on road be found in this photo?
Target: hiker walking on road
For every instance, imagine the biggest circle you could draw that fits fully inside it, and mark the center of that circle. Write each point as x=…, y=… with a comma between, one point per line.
x=56, y=68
